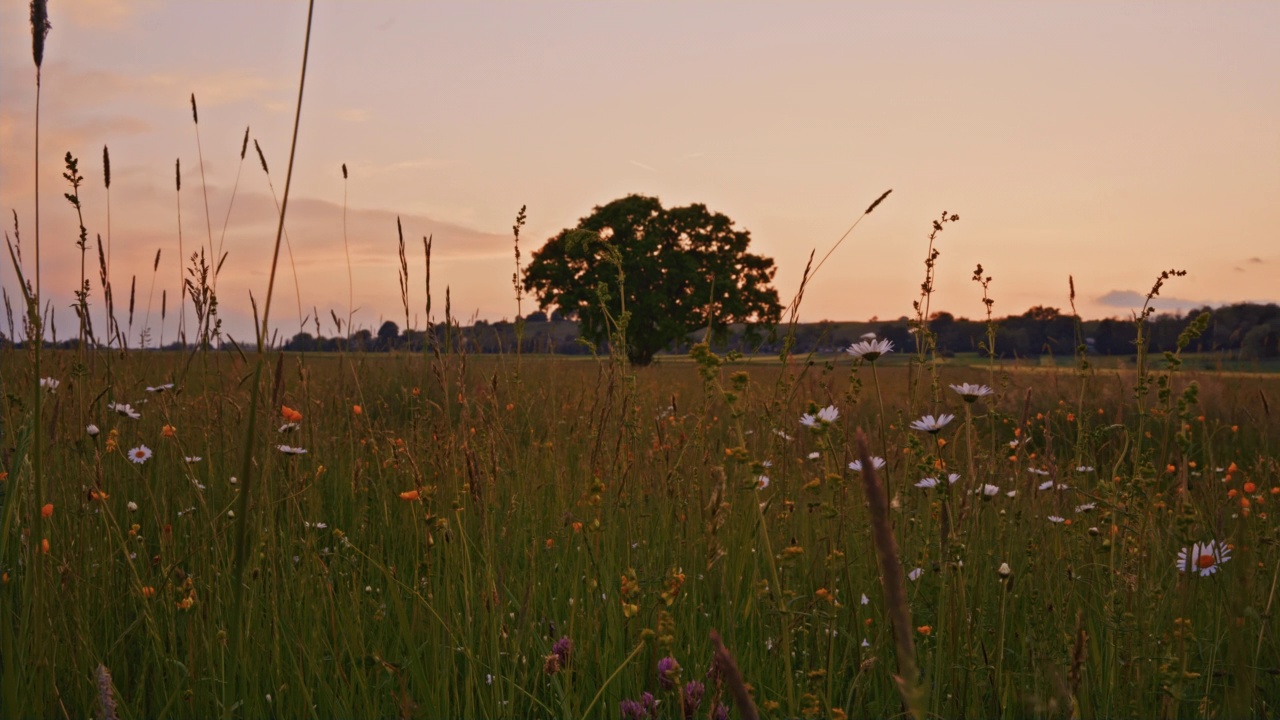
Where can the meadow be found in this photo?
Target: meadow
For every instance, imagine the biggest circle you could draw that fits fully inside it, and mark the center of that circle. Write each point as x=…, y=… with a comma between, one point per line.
x=247, y=532
x=454, y=519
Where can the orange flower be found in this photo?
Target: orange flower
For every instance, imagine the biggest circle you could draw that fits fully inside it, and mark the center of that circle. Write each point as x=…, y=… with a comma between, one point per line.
x=47, y=510
x=148, y=591
x=1232, y=468
x=577, y=527
x=1231, y=493
x=1250, y=487
x=925, y=630
x=44, y=546
x=98, y=495
x=1170, y=468
x=168, y=430
x=550, y=543
x=1071, y=417
x=1275, y=491
x=411, y=495
x=1235, y=428
x=356, y=409
x=290, y=414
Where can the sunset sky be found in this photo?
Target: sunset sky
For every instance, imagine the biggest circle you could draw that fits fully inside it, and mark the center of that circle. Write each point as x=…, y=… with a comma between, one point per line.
x=1107, y=141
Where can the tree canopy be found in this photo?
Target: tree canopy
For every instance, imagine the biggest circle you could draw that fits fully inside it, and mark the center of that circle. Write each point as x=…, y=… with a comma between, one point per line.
x=659, y=273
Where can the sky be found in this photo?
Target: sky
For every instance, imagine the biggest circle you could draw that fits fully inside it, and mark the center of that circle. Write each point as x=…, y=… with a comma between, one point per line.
x=1099, y=141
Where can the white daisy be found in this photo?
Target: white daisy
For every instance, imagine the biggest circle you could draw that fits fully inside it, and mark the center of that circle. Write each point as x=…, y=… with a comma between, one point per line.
x=287, y=450
x=1011, y=493
x=870, y=350
x=193, y=459
x=133, y=506
x=952, y=478
x=1037, y=471
x=915, y=574
x=930, y=424
x=288, y=427
x=160, y=388
x=989, y=490
x=876, y=463
x=124, y=409
x=92, y=430
x=1056, y=519
x=971, y=393
x=50, y=383
x=929, y=482
x=762, y=482
x=1084, y=468
x=140, y=454
x=1203, y=558
x=1085, y=507
x=815, y=455
x=784, y=435
x=865, y=600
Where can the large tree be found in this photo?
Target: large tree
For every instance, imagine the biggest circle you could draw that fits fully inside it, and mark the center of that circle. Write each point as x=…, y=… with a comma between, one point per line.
x=672, y=271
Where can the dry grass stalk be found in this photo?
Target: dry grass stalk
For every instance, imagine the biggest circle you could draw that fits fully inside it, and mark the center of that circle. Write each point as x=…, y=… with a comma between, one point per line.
x=728, y=668
x=894, y=583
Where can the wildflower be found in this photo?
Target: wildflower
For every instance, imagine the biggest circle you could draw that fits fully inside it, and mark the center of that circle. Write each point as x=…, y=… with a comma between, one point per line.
x=668, y=673
x=915, y=574
x=124, y=409
x=721, y=712
x=693, y=692
x=47, y=510
x=562, y=650
x=288, y=427
x=50, y=383
x=98, y=495
x=287, y=450
x=148, y=591
x=140, y=454
x=930, y=424
x=1203, y=558
x=925, y=630
x=290, y=415
x=815, y=455
x=193, y=458
x=762, y=482
x=1086, y=507
x=970, y=392
x=989, y=490
x=410, y=495
x=132, y=506
x=632, y=710
x=168, y=430
x=1250, y=487
x=870, y=350
x=1011, y=493
x=44, y=546
x=929, y=482
x=825, y=416
x=92, y=430
x=865, y=600
x=357, y=410
x=876, y=463
x=1037, y=471
x=1056, y=519
x=160, y=388
x=1084, y=468
x=1004, y=570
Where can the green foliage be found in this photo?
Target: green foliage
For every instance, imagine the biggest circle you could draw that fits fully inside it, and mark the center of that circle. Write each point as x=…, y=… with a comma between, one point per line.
x=657, y=274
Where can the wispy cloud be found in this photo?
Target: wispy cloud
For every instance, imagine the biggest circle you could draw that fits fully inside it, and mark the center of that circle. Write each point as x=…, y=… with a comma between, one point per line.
x=642, y=166
x=1132, y=300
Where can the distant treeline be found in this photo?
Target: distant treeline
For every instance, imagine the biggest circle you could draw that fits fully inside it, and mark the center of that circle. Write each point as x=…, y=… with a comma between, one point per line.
x=1248, y=331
